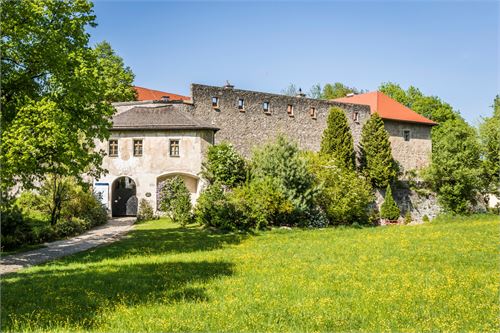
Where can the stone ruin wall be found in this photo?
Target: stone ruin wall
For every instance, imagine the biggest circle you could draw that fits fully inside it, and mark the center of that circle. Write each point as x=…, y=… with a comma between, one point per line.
x=251, y=127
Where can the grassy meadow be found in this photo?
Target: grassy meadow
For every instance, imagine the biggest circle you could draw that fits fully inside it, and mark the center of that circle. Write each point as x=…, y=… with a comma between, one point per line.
x=433, y=277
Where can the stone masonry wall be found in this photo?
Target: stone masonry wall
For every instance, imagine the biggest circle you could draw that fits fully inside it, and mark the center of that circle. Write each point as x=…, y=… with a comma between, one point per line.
x=251, y=126
x=413, y=154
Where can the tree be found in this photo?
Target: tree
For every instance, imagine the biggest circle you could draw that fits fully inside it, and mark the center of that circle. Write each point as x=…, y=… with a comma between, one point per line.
x=175, y=201
x=389, y=209
x=337, y=139
x=224, y=165
x=454, y=173
x=377, y=162
x=315, y=91
x=337, y=90
x=291, y=90
x=489, y=131
x=55, y=91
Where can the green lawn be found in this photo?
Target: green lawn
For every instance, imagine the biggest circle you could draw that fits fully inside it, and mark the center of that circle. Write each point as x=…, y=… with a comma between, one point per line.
x=435, y=277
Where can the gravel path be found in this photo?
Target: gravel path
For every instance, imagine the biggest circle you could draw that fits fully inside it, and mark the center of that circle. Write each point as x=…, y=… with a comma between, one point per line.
x=107, y=233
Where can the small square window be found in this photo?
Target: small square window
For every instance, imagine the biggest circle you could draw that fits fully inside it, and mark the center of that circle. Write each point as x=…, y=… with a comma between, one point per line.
x=215, y=102
x=312, y=112
x=355, y=117
x=137, y=147
x=113, y=148
x=289, y=110
x=406, y=135
x=241, y=104
x=174, y=148
x=265, y=107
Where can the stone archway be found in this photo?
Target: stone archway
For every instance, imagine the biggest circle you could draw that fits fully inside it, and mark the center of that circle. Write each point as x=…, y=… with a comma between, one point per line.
x=123, y=197
x=191, y=181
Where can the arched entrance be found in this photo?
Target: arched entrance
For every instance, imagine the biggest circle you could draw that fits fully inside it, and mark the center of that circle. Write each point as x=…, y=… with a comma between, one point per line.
x=190, y=181
x=123, y=197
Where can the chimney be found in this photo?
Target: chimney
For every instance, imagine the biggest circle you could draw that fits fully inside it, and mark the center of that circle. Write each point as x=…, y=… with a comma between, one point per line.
x=228, y=85
x=300, y=93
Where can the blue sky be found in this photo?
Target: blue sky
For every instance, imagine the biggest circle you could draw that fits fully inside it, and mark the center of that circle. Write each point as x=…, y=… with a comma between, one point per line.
x=449, y=49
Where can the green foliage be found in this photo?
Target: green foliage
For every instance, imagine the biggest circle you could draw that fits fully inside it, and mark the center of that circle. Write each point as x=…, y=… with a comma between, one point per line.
x=344, y=196
x=55, y=91
x=337, y=90
x=489, y=133
x=291, y=90
x=337, y=139
x=146, y=212
x=377, y=162
x=408, y=217
x=455, y=170
x=15, y=229
x=175, y=201
x=315, y=91
x=282, y=161
x=389, y=209
x=71, y=227
x=425, y=219
x=213, y=209
x=224, y=165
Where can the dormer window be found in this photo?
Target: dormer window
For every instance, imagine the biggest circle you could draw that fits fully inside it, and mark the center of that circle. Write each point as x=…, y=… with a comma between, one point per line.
x=289, y=110
x=241, y=104
x=355, y=117
x=312, y=112
x=265, y=107
x=215, y=102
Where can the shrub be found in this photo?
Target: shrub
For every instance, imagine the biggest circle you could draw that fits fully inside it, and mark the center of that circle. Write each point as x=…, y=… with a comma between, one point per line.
x=146, y=212
x=425, y=219
x=15, y=229
x=83, y=204
x=344, y=196
x=282, y=161
x=213, y=208
x=175, y=201
x=389, y=210
x=408, y=217
x=71, y=227
x=224, y=165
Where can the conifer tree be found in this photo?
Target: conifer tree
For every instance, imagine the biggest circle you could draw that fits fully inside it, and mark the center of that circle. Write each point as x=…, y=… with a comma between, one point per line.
x=389, y=210
x=377, y=162
x=337, y=139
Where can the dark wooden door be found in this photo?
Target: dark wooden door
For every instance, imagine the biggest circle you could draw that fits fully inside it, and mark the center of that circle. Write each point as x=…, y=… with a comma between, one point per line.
x=124, y=200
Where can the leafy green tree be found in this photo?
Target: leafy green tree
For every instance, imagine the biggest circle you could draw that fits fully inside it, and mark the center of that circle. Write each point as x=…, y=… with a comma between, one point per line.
x=489, y=131
x=377, y=162
x=55, y=92
x=175, y=201
x=337, y=90
x=389, y=209
x=454, y=173
x=344, y=196
x=282, y=161
x=315, y=91
x=224, y=165
x=114, y=76
x=337, y=139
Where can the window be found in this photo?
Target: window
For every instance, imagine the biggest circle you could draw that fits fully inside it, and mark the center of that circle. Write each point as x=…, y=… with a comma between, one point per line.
x=113, y=148
x=265, y=107
x=289, y=110
x=137, y=147
x=215, y=102
x=174, y=148
x=312, y=112
x=406, y=135
x=241, y=104
x=355, y=117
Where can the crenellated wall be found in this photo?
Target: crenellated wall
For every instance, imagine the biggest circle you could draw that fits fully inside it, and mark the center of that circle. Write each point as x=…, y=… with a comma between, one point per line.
x=251, y=126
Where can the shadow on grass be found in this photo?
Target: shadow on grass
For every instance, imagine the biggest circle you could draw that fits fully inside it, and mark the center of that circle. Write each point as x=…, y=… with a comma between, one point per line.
x=77, y=289
x=42, y=300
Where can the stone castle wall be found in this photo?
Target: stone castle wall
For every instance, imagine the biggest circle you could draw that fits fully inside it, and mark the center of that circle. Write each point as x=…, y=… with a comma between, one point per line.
x=251, y=126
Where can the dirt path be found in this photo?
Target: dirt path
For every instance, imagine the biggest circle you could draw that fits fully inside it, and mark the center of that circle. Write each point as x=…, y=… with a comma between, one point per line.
x=107, y=233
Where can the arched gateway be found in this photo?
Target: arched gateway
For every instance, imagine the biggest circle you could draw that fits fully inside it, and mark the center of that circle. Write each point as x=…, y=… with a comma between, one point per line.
x=123, y=197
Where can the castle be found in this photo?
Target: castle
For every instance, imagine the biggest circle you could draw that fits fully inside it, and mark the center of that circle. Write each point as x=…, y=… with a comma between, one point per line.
x=164, y=135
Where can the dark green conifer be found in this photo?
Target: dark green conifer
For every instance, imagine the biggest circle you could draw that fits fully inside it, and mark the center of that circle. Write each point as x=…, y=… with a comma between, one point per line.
x=377, y=162
x=389, y=209
x=337, y=139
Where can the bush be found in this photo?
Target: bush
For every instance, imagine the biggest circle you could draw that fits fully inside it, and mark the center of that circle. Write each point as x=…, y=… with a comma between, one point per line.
x=425, y=219
x=146, y=212
x=213, y=209
x=83, y=204
x=175, y=201
x=344, y=196
x=71, y=227
x=408, y=217
x=15, y=229
x=389, y=210
x=224, y=165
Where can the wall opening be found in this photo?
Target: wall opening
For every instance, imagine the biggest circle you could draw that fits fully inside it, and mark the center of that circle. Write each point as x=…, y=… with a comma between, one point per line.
x=123, y=197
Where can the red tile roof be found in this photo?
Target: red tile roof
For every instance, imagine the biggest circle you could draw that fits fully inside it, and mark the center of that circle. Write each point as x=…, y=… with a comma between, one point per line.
x=145, y=94
x=386, y=107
